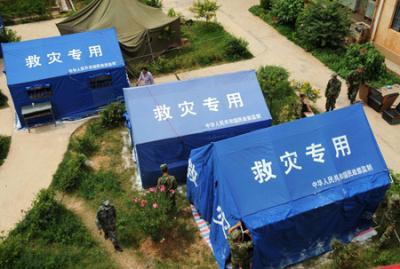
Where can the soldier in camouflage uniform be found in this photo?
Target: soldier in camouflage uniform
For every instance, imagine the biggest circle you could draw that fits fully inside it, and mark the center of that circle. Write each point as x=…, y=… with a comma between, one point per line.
x=391, y=220
x=354, y=81
x=332, y=92
x=240, y=248
x=106, y=221
x=169, y=183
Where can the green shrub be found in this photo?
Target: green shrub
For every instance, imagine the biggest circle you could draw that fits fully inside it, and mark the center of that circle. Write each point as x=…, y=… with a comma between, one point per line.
x=347, y=256
x=236, y=48
x=206, y=9
x=3, y=99
x=9, y=35
x=266, y=4
x=279, y=94
x=323, y=25
x=306, y=88
x=5, y=142
x=100, y=182
x=367, y=56
x=71, y=172
x=153, y=3
x=152, y=213
x=287, y=11
x=112, y=115
x=86, y=144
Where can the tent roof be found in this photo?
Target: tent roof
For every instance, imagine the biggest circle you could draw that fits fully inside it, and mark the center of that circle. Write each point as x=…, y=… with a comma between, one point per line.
x=355, y=165
x=30, y=61
x=130, y=18
x=142, y=104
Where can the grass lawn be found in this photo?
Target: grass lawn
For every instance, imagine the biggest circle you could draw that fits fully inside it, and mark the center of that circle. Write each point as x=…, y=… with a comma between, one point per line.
x=207, y=45
x=109, y=178
x=334, y=59
x=51, y=237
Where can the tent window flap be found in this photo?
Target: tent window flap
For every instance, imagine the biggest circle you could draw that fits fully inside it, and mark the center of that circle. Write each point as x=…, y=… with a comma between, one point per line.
x=101, y=81
x=39, y=91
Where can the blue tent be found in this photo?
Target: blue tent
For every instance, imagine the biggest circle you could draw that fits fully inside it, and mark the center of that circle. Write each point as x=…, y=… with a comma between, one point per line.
x=169, y=120
x=77, y=73
x=295, y=186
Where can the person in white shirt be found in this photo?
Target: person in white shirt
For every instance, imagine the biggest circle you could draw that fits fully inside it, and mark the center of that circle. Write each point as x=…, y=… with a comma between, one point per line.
x=145, y=78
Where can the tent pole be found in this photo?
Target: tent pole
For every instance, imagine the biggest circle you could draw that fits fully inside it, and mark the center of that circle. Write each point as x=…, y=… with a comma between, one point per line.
x=151, y=50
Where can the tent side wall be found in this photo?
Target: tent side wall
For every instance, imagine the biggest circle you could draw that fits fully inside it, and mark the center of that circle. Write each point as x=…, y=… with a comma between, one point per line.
x=152, y=154
x=311, y=233
x=72, y=96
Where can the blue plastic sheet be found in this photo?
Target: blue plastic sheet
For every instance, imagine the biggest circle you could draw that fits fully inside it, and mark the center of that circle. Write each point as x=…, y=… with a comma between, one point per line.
x=295, y=185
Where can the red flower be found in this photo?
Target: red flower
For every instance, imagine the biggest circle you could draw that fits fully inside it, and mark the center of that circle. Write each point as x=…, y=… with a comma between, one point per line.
x=155, y=205
x=162, y=188
x=152, y=190
x=143, y=203
x=172, y=191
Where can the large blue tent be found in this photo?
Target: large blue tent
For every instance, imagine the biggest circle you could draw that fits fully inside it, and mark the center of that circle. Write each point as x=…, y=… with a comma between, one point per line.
x=295, y=186
x=76, y=73
x=169, y=120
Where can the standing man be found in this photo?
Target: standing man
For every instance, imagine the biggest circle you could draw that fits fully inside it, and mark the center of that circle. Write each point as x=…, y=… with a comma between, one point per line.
x=240, y=248
x=145, y=78
x=332, y=92
x=354, y=81
x=169, y=183
x=106, y=220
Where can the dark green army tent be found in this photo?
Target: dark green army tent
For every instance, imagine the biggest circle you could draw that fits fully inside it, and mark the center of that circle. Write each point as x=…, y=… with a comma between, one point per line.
x=143, y=31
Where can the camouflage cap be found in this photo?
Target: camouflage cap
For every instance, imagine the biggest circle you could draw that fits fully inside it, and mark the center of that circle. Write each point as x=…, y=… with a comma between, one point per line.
x=334, y=75
x=163, y=166
x=106, y=203
x=235, y=234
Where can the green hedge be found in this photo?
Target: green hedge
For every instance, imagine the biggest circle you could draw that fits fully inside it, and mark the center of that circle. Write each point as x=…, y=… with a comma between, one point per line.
x=51, y=237
x=5, y=142
x=12, y=9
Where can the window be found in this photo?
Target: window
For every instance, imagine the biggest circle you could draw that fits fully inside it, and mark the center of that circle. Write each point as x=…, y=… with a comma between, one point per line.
x=101, y=81
x=396, y=19
x=39, y=91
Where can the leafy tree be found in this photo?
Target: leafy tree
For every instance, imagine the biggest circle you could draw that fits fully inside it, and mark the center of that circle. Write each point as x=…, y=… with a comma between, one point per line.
x=367, y=56
x=323, y=25
x=206, y=9
x=287, y=11
x=278, y=93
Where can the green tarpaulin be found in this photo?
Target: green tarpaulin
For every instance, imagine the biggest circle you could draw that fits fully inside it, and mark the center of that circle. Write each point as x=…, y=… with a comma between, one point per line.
x=143, y=31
